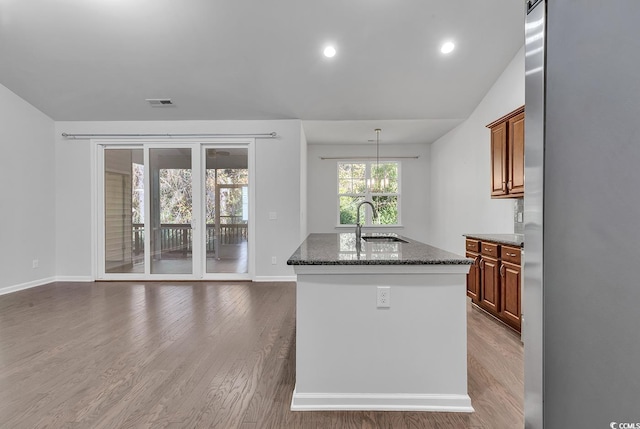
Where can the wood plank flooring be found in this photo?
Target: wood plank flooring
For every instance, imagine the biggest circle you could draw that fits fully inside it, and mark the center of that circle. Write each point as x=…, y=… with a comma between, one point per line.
x=199, y=355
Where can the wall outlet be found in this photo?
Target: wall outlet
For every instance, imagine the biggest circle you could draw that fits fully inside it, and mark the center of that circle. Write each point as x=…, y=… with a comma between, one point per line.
x=384, y=296
x=274, y=261
x=35, y=263
x=273, y=215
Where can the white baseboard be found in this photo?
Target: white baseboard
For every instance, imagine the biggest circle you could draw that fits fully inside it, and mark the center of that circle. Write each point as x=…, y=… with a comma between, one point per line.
x=380, y=402
x=27, y=285
x=275, y=278
x=40, y=282
x=83, y=279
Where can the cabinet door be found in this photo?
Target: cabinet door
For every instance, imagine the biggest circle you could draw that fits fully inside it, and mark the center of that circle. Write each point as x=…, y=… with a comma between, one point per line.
x=499, y=160
x=473, y=278
x=490, y=284
x=510, y=290
x=515, y=179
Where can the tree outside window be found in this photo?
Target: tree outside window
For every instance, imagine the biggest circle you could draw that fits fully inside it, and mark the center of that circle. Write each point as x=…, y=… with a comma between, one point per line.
x=371, y=181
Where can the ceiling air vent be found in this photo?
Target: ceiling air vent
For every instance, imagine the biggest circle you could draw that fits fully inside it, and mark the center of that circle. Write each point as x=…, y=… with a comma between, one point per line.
x=160, y=102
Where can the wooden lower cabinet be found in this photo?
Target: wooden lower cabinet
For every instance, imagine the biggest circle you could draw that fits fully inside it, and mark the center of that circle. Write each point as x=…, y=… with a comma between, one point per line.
x=473, y=278
x=510, y=280
x=494, y=280
x=490, y=284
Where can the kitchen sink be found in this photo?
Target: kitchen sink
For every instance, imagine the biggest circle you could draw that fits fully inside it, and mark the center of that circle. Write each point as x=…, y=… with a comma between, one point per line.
x=383, y=239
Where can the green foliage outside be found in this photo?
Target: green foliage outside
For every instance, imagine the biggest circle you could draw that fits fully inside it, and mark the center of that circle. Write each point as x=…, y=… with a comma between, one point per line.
x=383, y=179
x=387, y=208
x=176, y=194
x=137, y=191
x=348, y=210
x=387, y=173
x=230, y=198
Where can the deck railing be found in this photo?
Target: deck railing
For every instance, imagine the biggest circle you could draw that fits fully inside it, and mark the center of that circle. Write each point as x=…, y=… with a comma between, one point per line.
x=178, y=237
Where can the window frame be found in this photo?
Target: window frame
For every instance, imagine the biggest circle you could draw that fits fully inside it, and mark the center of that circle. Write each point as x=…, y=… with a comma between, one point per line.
x=368, y=195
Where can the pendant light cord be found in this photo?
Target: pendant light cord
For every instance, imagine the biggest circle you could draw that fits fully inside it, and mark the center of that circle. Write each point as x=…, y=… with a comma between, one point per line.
x=378, y=149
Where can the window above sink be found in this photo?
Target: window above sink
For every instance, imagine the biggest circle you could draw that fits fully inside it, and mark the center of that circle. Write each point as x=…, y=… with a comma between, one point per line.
x=372, y=181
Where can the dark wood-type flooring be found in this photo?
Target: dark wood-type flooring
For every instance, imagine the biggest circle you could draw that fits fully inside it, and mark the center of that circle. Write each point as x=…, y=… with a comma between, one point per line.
x=199, y=355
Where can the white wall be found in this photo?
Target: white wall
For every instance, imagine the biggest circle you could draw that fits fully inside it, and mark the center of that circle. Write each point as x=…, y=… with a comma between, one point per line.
x=303, y=183
x=27, y=204
x=460, y=169
x=277, y=189
x=323, y=184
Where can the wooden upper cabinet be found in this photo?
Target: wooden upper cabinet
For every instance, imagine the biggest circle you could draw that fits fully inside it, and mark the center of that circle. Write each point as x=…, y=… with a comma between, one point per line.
x=507, y=155
x=499, y=159
x=515, y=184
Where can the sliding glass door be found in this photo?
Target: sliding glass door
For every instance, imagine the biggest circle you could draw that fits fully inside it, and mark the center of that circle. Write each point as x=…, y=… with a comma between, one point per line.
x=123, y=208
x=226, y=186
x=171, y=213
x=174, y=211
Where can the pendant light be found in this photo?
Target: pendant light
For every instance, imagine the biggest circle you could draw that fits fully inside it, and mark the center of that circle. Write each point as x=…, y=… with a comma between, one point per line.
x=374, y=184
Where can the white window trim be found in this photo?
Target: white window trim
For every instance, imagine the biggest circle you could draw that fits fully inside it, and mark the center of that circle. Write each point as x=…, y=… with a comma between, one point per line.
x=368, y=195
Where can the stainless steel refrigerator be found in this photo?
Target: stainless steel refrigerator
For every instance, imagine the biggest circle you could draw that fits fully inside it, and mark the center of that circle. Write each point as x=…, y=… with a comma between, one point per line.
x=581, y=286
x=532, y=303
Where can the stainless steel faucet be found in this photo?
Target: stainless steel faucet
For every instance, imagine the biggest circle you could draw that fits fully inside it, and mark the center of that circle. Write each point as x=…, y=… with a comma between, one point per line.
x=358, y=224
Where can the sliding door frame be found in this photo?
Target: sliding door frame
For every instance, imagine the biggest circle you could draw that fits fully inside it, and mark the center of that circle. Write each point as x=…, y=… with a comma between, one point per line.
x=249, y=144
x=198, y=166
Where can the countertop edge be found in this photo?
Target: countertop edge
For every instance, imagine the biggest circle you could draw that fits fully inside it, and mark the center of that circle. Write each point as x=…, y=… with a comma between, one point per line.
x=497, y=238
x=465, y=261
x=337, y=249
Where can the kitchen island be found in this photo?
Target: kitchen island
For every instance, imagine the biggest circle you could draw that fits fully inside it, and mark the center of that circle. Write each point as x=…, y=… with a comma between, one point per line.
x=380, y=325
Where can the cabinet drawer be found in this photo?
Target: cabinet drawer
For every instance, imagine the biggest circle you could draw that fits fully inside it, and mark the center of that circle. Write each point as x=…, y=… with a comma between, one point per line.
x=473, y=245
x=511, y=254
x=490, y=249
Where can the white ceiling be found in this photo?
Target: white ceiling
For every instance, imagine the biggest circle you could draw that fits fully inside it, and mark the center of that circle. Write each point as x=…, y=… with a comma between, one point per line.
x=235, y=59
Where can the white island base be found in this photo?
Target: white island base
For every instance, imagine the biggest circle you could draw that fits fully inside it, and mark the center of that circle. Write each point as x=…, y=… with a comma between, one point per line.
x=352, y=355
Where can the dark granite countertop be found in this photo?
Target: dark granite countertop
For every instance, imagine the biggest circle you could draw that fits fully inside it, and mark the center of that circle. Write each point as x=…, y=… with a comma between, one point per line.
x=509, y=239
x=340, y=249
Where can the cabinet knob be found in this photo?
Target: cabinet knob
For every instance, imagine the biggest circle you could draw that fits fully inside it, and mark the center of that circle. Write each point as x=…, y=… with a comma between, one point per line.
x=501, y=270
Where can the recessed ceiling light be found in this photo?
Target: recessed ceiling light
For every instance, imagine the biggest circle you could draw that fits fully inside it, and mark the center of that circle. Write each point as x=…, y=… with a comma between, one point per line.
x=447, y=47
x=329, y=52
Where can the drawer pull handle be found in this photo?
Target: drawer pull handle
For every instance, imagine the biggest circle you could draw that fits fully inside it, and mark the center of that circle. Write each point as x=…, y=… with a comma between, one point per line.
x=511, y=254
x=487, y=249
